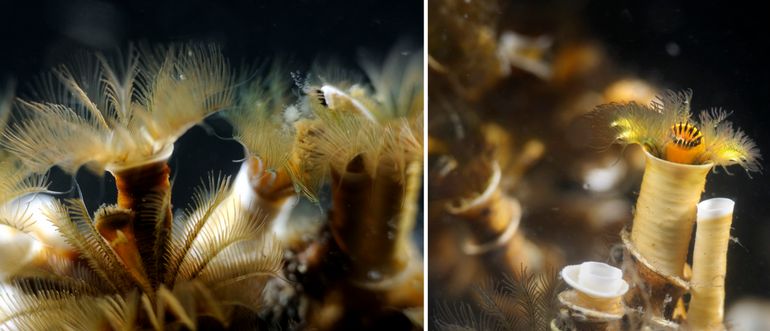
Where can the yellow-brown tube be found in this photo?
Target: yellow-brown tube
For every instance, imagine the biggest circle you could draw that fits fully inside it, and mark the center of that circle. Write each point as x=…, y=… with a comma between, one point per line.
x=139, y=185
x=371, y=220
x=135, y=187
x=490, y=215
x=665, y=212
x=404, y=287
x=372, y=217
x=706, y=310
x=115, y=225
x=493, y=219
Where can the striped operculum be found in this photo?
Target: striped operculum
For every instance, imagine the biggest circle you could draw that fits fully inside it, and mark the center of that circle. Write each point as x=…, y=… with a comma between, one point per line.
x=685, y=145
x=686, y=135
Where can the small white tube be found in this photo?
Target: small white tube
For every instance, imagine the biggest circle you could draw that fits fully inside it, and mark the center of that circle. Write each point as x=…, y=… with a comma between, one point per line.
x=707, y=287
x=715, y=209
x=598, y=290
x=595, y=279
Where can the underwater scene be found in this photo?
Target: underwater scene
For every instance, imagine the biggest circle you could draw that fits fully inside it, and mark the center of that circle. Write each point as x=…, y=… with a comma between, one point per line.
x=597, y=165
x=206, y=165
x=277, y=165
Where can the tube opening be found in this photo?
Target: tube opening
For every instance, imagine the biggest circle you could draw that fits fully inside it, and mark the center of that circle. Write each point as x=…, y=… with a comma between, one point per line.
x=715, y=208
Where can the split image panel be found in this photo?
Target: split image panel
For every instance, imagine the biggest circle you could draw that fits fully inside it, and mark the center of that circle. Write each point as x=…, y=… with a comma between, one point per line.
x=383, y=165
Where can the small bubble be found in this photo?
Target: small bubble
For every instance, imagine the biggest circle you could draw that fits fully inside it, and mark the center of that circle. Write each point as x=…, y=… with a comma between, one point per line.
x=673, y=49
x=586, y=186
x=374, y=275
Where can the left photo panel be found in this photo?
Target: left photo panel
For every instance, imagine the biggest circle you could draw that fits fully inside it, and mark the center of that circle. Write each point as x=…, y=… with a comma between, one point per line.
x=212, y=166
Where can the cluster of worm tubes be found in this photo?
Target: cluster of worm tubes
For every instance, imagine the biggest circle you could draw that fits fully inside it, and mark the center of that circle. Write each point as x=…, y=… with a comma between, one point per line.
x=243, y=254
x=517, y=180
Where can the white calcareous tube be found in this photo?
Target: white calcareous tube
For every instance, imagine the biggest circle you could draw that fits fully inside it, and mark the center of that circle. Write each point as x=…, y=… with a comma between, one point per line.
x=598, y=286
x=712, y=236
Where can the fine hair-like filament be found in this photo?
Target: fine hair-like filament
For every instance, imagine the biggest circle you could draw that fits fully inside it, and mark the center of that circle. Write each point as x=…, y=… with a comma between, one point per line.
x=107, y=112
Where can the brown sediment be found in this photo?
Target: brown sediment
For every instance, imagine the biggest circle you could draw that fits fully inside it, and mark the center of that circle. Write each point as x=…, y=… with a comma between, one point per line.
x=652, y=291
x=584, y=313
x=136, y=188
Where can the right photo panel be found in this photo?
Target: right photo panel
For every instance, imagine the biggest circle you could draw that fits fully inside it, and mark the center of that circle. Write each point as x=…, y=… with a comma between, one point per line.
x=597, y=165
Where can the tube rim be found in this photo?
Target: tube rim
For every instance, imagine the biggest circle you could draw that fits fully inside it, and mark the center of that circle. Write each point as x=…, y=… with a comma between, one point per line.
x=676, y=164
x=714, y=208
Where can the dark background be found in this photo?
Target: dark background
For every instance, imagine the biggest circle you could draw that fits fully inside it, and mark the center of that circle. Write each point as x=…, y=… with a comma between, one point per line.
x=719, y=50
x=35, y=32
x=36, y=35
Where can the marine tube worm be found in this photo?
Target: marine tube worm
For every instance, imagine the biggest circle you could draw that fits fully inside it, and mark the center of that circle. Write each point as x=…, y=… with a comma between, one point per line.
x=494, y=219
x=709, y=268
x=369, y=141
x=213, y=264
x=665, y=212
x=123, y=115
x=272, y=175
x=137, y=266
x=680, y=151
x=23, y=239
